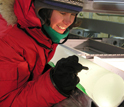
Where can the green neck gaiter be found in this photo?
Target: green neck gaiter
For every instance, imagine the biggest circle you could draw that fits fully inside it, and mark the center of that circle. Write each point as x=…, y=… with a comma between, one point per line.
x=55, y=36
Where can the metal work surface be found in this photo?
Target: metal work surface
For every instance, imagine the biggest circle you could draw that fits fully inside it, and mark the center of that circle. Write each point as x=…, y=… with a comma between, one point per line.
x=90, y=48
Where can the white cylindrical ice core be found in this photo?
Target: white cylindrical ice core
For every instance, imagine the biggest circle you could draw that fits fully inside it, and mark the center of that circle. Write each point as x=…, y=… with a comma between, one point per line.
x=108, y=91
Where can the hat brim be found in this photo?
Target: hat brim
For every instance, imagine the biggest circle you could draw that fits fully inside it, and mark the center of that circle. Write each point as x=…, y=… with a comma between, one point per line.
x=58, y=6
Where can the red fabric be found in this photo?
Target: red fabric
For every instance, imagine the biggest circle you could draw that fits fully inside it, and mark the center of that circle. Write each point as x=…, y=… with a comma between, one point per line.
x=20, y=55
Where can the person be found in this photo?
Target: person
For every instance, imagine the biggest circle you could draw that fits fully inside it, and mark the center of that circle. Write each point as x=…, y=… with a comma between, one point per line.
x=29, y=34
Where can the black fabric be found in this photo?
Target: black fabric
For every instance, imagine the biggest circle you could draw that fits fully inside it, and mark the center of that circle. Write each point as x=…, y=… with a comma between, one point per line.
x=47, y=67
x=64, y=75
x=122, y=104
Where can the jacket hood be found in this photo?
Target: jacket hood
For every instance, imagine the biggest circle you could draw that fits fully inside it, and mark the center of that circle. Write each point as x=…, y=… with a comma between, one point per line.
x=7, y=11
x=25, y=12
x=21, y=11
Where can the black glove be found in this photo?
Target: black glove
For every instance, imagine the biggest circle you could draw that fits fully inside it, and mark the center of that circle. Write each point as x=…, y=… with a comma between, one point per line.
x=64, y=75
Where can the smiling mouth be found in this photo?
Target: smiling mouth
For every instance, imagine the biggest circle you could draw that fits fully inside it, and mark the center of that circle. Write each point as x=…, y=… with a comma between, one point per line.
x=63, y=28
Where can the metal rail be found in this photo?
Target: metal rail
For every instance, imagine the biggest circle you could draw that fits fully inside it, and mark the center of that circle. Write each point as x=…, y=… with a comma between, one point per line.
x=108, y=27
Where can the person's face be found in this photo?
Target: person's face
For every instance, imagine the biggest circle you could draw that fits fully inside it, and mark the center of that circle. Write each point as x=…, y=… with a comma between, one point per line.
x=60, y=21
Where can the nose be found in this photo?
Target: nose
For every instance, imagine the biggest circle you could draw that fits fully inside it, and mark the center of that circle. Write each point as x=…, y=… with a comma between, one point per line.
x=67, y=20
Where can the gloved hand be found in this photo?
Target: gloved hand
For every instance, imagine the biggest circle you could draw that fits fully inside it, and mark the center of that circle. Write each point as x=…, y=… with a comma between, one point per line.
x=64, y=75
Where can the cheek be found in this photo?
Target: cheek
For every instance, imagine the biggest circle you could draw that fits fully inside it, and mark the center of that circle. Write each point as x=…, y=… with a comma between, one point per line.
x=72, y=19
x=54, y=21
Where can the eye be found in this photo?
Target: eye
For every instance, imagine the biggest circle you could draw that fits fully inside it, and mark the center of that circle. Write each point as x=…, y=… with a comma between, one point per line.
x=73, y=14
x=63, y=13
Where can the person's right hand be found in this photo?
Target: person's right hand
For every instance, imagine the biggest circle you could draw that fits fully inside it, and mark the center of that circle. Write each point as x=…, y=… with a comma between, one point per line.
x=64, y=75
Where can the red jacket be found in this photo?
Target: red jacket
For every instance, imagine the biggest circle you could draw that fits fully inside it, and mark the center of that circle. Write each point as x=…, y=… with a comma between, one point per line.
x=23, y=54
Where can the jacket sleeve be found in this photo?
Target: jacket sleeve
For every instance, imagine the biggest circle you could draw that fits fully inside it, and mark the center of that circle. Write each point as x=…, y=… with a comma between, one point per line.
x=39, y=93
x=16, y=90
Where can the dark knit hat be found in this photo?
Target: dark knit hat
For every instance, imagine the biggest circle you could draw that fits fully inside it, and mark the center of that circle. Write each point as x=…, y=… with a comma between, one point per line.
x=71, y=6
